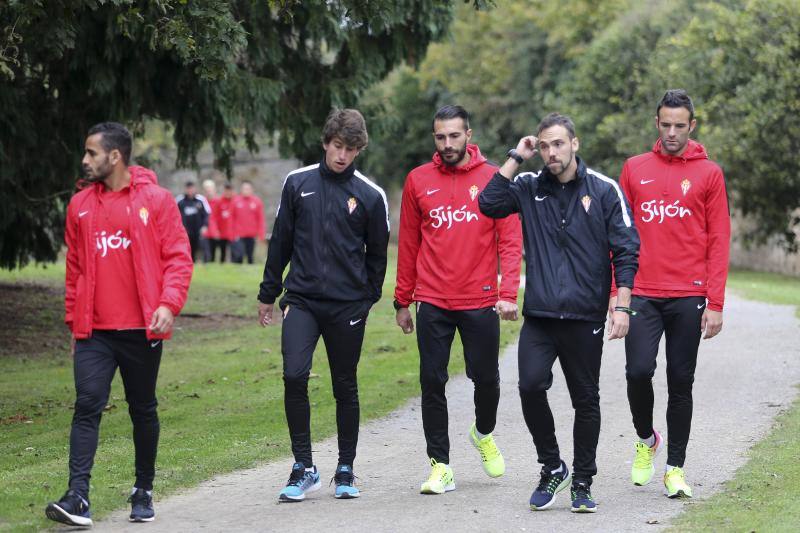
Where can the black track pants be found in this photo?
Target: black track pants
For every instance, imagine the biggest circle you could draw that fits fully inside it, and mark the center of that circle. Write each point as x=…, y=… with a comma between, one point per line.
x=578, y=345
x=96, y=360
x=679, y=320
x=341, y=325
x=480, y=335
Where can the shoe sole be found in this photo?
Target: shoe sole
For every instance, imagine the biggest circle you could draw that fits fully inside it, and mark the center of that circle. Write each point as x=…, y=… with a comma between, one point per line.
x=563, y=485
x=292, y=499
x=346, y=496
x=583, y=509
x=679, y=494
x=447, y=488
x=475, y=445
x=131, y=519
x=57, y=514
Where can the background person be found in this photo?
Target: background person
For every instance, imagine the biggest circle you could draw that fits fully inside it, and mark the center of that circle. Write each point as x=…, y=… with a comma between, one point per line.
x=194, y=215
x=249, y=224
x=209, y=239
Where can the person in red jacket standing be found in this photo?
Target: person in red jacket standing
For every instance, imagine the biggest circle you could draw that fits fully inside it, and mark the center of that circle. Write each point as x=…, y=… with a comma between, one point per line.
x=128, y=269
x=222, y=215
x=210, y=239
x=680, y=207
x=448, y=260
x=248, y=216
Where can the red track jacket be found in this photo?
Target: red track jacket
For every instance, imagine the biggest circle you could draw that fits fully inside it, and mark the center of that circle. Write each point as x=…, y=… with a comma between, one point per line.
x=161, y=255
x=448, y=251
x=248, y=217
x=680, y=208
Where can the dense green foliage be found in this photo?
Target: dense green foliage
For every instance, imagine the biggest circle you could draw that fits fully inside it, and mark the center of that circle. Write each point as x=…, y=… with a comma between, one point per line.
x=607, y=64
x=218, y=71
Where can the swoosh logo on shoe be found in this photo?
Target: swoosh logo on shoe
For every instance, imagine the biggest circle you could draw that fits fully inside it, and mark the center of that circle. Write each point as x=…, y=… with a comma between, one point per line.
x=701, y=306
x=82, y=213
x=540, y=198
x=304, y=194
x=645, y=182
x=354, y=322
x=596, y=331
x=431, y=191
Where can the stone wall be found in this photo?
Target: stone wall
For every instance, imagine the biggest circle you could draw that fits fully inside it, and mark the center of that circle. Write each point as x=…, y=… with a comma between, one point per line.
x=768, y=258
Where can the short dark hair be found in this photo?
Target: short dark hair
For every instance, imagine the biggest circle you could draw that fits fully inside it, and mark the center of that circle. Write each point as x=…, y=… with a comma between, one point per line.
x=347, y=124
x=189, y=183
x=228, y=185
x=557, y=119
x=677, y=98
x=114, y=136
x=450, y=112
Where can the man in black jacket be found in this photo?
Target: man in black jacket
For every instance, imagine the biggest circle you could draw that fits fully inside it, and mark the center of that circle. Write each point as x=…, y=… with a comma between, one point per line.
x=573, y=220
x=194, y=210
x=333, y=226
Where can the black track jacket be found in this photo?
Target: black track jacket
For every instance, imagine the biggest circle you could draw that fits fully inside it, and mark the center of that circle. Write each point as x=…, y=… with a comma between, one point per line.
x=334, y=228
x=567, y=264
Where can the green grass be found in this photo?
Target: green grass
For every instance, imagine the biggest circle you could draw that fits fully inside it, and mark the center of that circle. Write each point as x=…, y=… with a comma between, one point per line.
x=220, y=396
x=763, y=494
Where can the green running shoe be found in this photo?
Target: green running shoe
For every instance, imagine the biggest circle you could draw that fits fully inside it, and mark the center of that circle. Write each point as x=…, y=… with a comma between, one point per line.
x=643, y=469
x=493, y=463
x=675, y=483
x=440, y=481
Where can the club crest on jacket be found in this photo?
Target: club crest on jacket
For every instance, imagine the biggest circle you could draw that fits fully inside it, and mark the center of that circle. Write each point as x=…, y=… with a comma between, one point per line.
x=473, y=192
x=352, y=204
x=144, y=214
x=685, y=185
x=586, y=201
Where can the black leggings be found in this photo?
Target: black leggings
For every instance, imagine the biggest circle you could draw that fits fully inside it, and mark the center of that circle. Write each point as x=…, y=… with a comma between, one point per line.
x=578, y=345
x=480, y=335
x=341, y=325
x=679, y=319
x=95, y=363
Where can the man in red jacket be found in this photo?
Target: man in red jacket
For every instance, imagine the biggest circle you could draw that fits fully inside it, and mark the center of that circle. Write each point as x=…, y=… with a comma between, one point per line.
x=249, y=224
x=128, y=269
x=222, y=214
x=680, y=208
x=448, y=260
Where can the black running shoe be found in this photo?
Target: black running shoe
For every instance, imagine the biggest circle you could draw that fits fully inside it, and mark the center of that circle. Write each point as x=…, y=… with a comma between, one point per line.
x=550, y=484
x=72, y=509
x=141, y=506
x=582, y=501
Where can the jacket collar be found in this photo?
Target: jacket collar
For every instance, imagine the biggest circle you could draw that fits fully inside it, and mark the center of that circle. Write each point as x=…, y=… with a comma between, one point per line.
x=327, y=173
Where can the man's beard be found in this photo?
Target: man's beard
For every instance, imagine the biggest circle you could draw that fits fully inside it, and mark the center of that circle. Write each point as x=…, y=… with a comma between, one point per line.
x=563, y=165
x=461, y=153
x=102, y=173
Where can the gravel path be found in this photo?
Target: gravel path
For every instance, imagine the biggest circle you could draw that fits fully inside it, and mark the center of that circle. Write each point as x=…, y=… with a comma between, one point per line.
x=745, y=376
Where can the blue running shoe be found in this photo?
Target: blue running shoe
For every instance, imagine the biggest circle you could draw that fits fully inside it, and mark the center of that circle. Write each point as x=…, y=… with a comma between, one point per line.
x=550, y=484
x=345, y=483
x=72, y=509
x=301, y=481
x=582, y=501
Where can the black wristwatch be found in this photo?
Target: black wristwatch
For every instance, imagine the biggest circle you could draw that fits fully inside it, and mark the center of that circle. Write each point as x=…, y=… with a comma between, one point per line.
x=397, y=305
x=513, y=154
